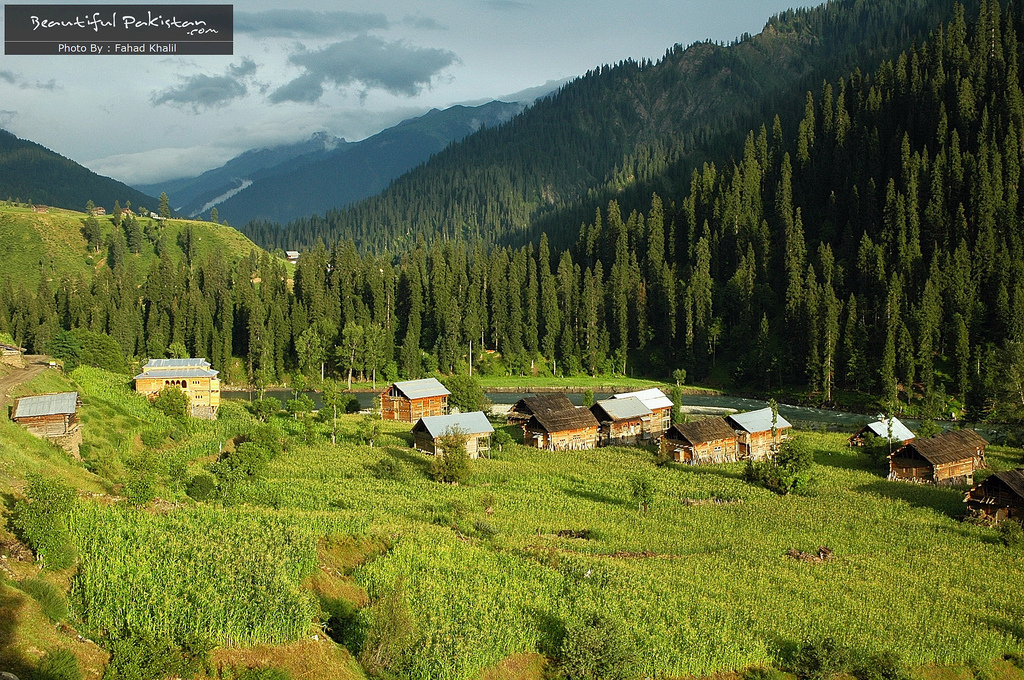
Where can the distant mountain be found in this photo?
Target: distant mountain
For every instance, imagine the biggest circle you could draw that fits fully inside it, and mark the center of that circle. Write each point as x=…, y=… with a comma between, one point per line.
x=32, y=173
x=196, y=195
x=287, y=182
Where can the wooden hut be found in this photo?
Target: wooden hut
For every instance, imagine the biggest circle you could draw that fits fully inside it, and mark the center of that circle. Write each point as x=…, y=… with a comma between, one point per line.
x=194, y=376
x=475, y=425
x=947, y=458
x=881, y=428
x=11, y=355
x=710, y=440
x=660, y=419
x=410, y=400
x=574, y=428
x=47, y=415
x=999, y=497
x=753, y=430
x=527, y=407
x=622, y=420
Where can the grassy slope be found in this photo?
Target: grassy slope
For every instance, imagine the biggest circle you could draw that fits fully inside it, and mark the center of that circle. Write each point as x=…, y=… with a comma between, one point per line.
x=703, y=588
x=33, y=243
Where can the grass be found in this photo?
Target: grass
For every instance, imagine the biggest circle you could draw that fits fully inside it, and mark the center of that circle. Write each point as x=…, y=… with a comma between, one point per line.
x=488, y=575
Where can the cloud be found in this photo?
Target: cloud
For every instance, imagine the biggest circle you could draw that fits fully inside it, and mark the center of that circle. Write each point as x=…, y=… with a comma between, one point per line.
x=425, y=23
x=367, y=61
x=302, y=23
x=9, y=77
x=201, y=91
x=506, y=5
x=7, y=117
x=12, y=78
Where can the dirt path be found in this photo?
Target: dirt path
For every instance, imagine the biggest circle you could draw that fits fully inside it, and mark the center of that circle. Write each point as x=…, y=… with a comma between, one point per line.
x=37, y=363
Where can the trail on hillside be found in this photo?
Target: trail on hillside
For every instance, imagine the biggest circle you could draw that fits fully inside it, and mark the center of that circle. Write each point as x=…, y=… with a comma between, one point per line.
x=37, y=363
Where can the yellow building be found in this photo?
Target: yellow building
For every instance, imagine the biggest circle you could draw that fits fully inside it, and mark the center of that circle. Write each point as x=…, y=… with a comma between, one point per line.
x=193, y=376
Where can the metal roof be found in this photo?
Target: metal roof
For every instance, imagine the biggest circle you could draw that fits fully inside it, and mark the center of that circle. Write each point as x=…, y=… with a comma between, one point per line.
x=622, y=409
x=193, y=362
x=173, y=373
x=473, y=423
x=900, y=432
x=421, y=389
x=758, y=421
x=652, y=398
x=46, y=405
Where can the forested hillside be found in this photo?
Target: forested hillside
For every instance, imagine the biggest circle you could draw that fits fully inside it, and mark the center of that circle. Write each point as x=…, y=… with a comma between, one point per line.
x=619, y=132
x=32, y=173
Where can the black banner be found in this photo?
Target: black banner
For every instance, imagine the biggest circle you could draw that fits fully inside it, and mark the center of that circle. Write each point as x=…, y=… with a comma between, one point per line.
x=118, y=29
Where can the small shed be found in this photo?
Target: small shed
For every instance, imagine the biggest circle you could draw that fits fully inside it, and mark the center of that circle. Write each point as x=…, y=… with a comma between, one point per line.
x=569, y=429
x=901, y=434
x=11, y=355
x=948, y=458
x=48, y=415
x=99, y=210
x=622, y=420
x=753, y=430
x=474, y=424
x=710, y=440
x=999, y=497
x=660, y=419
x=527, y=407
x=410, y=400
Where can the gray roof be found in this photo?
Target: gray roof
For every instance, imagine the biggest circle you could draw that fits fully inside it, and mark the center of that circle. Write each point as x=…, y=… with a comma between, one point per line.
x=900, y=432
x=621, y=409
x=758, y=421
x=46, y=405
x=652, y=398
x=193, y=362
x=421, y=389
x=173, y=373
x=474, y=422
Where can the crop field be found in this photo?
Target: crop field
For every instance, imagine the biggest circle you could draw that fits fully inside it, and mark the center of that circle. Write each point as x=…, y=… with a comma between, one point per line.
x=534, y=541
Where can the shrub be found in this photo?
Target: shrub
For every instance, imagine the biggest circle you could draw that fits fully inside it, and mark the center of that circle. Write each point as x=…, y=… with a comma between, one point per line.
x=343, y=624
x=49, y=597
x=263, y=674
x=201, y=487
x=788, y=471
x=821, y=660
x=1011, y=533
x=173, y=403
x=390, y=634
x=501, y=439
x=41, y=521
x=140, y=655
x=883, y=666
x=452, y=465
x=154, y=437
x=388, y=468
x=597, y=647
x=140, y=488
x=642, y=490
x=484, y=528
x=59, y=664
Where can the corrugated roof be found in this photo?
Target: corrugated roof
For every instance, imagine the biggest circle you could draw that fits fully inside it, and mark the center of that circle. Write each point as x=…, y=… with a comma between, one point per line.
x=652, y=398
x=474, y=422
x=569, y=419
x=900, y=432
x=193, y=362
x=421, y=389
x=758, y=421
x=172, y=373
x=13, y=348
x=701, y=431
x=948, y=447
x=620, y=409
x=63, y=403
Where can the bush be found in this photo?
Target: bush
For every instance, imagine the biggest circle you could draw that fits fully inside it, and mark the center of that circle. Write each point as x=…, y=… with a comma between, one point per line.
x=821, y=660
x=201, y=487
x=173, y=403
x=388, y=468
x=263, y=674
x=390, y=634
x=597, y=647
x=154, y=437
x=140, y=488
x=343, y=624
x=140, y=655
x=789, y=470
x=41, y=521
x=1011, y=533
x=49, y=597
x=59, y=664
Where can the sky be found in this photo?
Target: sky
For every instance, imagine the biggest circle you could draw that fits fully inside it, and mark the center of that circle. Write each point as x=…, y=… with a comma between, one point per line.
x=349, y=68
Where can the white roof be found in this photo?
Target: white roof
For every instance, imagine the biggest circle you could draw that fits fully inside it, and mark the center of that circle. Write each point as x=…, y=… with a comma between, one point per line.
x=474, y=422
x=900, y=432
x=652, y=398
x=63, y=403
x=421, y=389
x=758, y=421
x=624, y=409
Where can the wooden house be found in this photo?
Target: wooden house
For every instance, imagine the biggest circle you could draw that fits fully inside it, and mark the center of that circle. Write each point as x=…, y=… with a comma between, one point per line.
x=881, y=428
x=41, y=209
x=660, y=419
x=999, y=497
x=194, y=376
x=754, y=437
x=48, y=415
x=411, y=400
x=99, y=210
x=947, y=458
x=475, y=425
x=568, y=429
x=527, y=407
x=622, y=420
x=711, y=440
x=11, y=355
